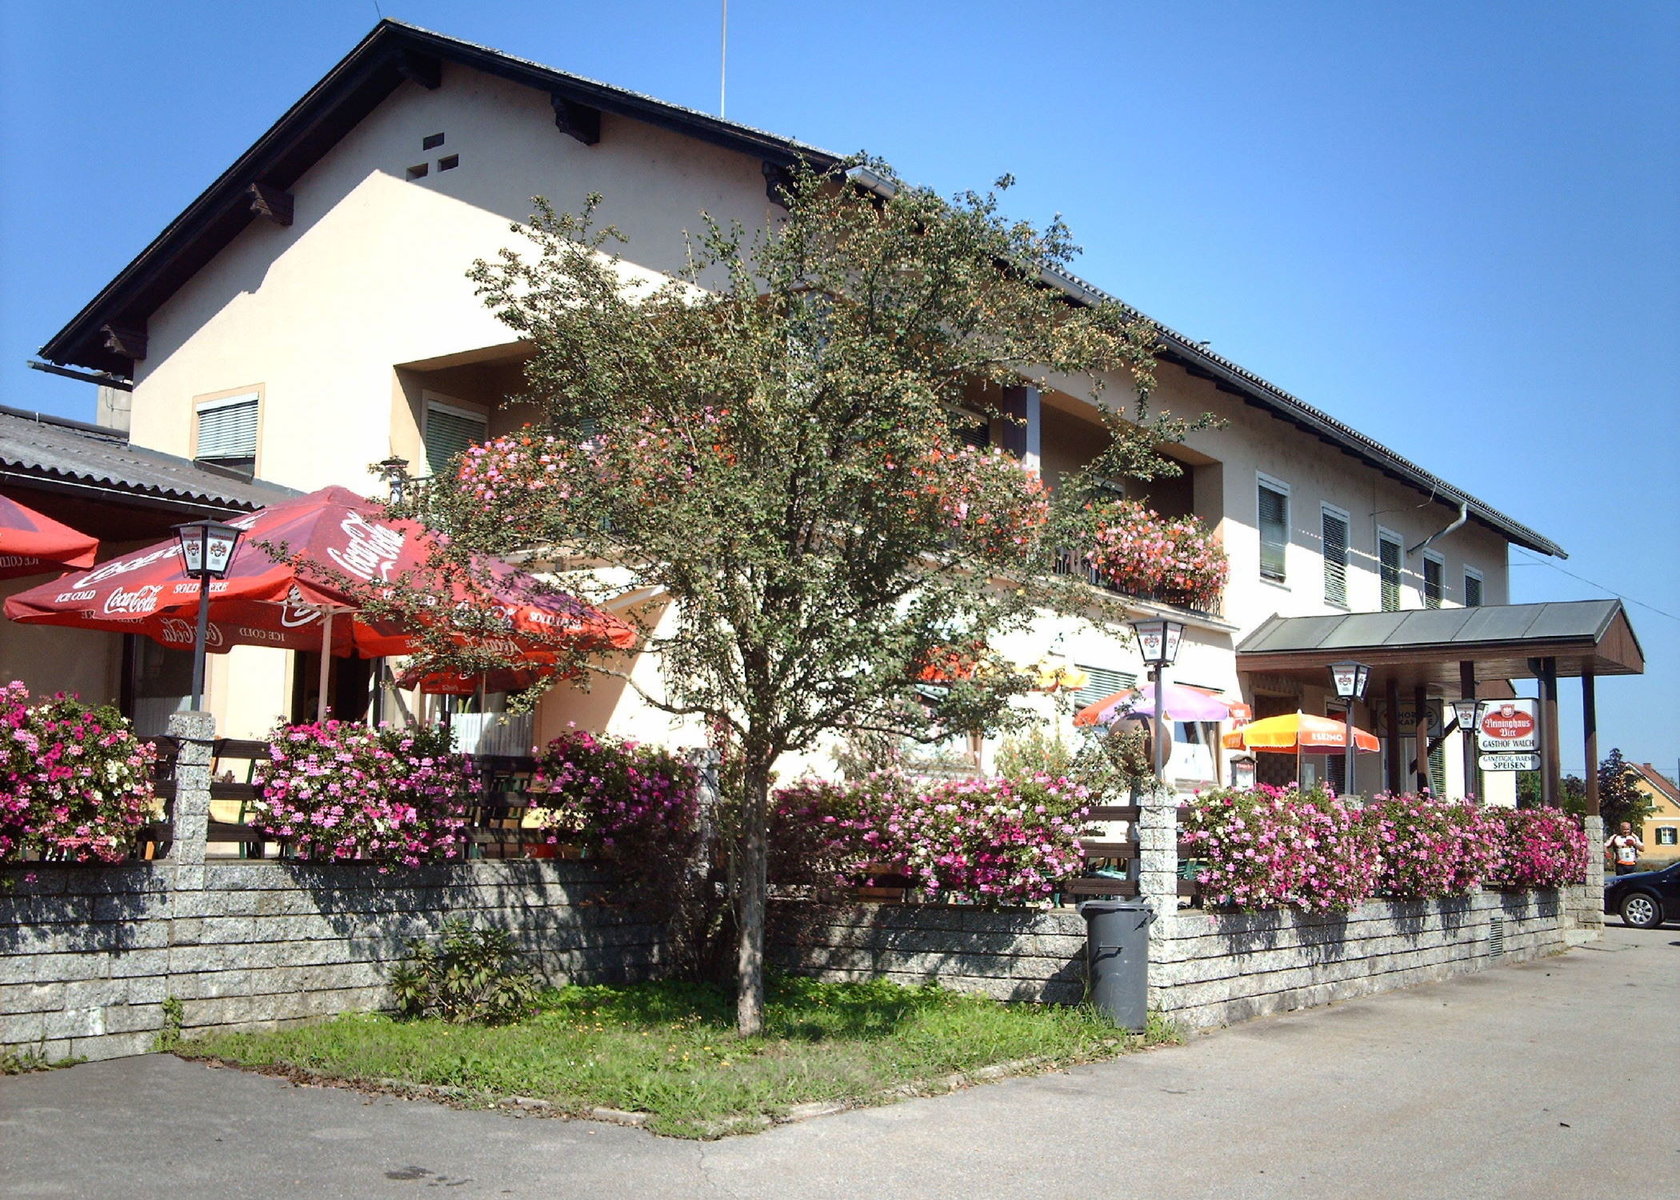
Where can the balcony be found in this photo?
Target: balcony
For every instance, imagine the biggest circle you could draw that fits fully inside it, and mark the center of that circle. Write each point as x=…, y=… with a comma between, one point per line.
x=1137, y=553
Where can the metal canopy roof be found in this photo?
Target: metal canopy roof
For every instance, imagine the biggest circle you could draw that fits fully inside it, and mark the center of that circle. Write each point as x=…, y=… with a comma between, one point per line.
x=1426, y=646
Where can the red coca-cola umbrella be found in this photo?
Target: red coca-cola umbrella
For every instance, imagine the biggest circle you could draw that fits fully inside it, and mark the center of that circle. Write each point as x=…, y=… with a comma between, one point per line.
x=31, y=543
x=299, y=581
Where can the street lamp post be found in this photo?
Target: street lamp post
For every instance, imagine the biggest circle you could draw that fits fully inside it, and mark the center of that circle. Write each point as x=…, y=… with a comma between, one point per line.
x=206, y=553
x=1350, y=679
x=1158, y=640
x=1469, y=714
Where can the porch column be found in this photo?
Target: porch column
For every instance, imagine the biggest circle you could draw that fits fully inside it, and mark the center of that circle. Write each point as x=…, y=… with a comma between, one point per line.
x=1467, y=691
x=1589, y=732
x=1550, y=752
x=1420, y=735
x=1391, y=733
x=1023, y=432
x=195, y=733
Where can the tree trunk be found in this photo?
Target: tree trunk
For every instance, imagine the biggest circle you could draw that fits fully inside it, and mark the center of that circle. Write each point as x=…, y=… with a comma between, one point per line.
x=751, y=886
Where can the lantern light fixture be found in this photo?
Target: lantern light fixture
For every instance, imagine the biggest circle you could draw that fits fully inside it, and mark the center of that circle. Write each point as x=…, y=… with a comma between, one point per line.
x=1350, y=679
x=206, y=553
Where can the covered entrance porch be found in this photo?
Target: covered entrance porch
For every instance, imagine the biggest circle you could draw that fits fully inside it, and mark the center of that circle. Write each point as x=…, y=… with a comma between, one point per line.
x=1423, y=659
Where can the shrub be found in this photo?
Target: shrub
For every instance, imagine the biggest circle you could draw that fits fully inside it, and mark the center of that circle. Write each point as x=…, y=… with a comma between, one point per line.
x=75, y=783
x=1430, y=847
x=336, y=790
x=974, y=841
x=475, y=976
x=605, y=792
x=1281, y=848
x=1541, y=848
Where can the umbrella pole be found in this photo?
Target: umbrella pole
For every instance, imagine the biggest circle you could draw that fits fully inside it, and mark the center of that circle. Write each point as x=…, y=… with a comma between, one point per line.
x=326, y=661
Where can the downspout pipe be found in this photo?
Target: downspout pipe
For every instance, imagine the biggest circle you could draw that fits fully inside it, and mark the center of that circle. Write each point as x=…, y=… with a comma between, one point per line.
x=1463, y=516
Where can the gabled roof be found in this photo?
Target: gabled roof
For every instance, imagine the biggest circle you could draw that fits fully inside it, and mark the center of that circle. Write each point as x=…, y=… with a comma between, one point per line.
x=109, y=333
x=86, y=460
x=1659, y=783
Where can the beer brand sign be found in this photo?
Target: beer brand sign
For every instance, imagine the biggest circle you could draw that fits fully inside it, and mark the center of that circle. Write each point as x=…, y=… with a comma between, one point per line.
x=1510, y=727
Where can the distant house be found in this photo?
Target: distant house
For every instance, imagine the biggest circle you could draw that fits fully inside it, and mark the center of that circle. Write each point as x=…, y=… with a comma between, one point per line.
x=1661, y=831
x=308, y=316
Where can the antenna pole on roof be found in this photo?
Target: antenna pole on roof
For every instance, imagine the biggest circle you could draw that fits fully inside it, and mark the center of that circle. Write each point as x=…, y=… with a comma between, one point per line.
x=723, y=63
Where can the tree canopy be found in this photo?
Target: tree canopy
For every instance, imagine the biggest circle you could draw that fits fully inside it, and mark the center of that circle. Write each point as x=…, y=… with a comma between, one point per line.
x=772, y=441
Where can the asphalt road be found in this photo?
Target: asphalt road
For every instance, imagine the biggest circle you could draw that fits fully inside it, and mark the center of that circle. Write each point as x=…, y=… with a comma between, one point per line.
x=1549, y=1080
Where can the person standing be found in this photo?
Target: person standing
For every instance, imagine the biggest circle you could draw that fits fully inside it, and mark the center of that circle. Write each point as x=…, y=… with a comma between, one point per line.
x=1626, y=847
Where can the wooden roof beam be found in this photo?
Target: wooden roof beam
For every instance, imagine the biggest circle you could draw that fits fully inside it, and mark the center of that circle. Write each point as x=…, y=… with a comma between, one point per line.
x=576, y=120
x=270, y=203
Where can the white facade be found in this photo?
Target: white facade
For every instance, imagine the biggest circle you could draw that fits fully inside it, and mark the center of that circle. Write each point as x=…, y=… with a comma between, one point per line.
x=353, y=322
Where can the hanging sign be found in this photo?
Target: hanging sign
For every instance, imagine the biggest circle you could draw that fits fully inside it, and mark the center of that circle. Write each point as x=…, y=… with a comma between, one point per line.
x=1408, y=717
x=1509, y=762
x=1509, y=727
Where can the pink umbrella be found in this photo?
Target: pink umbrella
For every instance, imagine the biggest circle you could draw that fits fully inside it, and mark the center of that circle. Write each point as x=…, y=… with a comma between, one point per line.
x=1183, y=704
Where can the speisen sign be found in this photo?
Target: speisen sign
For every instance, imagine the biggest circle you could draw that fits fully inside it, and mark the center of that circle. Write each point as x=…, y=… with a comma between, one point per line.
x=1509, y=727
x=1509, y=762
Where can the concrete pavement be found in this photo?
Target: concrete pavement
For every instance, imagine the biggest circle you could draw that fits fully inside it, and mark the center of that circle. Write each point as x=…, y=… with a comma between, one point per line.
x=1547, y=1080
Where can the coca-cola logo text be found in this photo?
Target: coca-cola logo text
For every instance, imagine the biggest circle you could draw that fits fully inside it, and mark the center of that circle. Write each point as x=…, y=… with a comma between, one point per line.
x=371, y=550
x=140, y=600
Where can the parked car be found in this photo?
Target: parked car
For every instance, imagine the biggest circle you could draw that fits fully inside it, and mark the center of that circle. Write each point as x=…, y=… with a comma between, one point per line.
x=1645, y=899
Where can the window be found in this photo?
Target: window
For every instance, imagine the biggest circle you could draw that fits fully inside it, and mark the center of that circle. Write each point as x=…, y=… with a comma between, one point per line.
x=1667, y=835
x=450, y=429
x=1335, y=525
x=1274, y=530
x=227, y=432
x=1389, y=552
x=1434, y=568
x=1103, y=682
x=1472, y=588
x=972, y=428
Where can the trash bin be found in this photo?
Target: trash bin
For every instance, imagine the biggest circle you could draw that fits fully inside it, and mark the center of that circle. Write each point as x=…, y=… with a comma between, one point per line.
x=1117, y=957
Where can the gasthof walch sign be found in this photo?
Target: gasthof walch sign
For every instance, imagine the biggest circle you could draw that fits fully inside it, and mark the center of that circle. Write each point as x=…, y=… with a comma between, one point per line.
x=1510, y=727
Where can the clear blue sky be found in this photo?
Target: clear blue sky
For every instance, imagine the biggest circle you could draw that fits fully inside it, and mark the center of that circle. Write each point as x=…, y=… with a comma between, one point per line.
x=1454, y=226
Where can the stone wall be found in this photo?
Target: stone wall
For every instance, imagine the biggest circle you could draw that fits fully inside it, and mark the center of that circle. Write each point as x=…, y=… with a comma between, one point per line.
x=1009, y=954
x=1212, y=969
x=89, y=954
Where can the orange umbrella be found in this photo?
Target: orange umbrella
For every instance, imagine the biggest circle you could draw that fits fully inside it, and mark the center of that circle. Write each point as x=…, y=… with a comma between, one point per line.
x=1297, y=733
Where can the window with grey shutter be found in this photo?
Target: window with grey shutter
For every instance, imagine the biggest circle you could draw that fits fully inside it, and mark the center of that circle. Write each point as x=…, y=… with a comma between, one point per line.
x=227, y=433
x=449, y=431
x=1274, y=532
x=1335, y=558
x=1432, y=570
x=1388, y=568
x=1472, y=590
x=1102, y=682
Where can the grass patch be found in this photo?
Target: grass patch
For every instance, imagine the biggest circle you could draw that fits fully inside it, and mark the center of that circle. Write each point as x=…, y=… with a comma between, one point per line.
x=670, y=1049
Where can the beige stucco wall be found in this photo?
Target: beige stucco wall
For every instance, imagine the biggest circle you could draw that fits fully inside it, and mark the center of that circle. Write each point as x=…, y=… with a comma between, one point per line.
x=341, y=320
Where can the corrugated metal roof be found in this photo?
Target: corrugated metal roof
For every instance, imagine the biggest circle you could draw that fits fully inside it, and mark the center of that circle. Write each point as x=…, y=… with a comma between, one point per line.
x=1553, y=621
x=37, y=447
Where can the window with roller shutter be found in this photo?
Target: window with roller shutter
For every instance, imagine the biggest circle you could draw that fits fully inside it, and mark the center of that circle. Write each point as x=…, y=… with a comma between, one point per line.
x=1335, y=528
x=1389, y=551
x=1274, y=530
x=227, y=432
x=1434, y=571
x=1472, y=588
x=450, y=429
x=1102, y=682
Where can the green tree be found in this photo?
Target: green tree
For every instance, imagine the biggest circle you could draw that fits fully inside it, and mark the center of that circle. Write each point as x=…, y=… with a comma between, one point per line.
x=1618, y=799
x=769, y=441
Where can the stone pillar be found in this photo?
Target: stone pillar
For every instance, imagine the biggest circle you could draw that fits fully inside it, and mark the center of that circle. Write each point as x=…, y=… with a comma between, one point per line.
x=1590, y=914
x=1157, y=838
x=196, y=735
